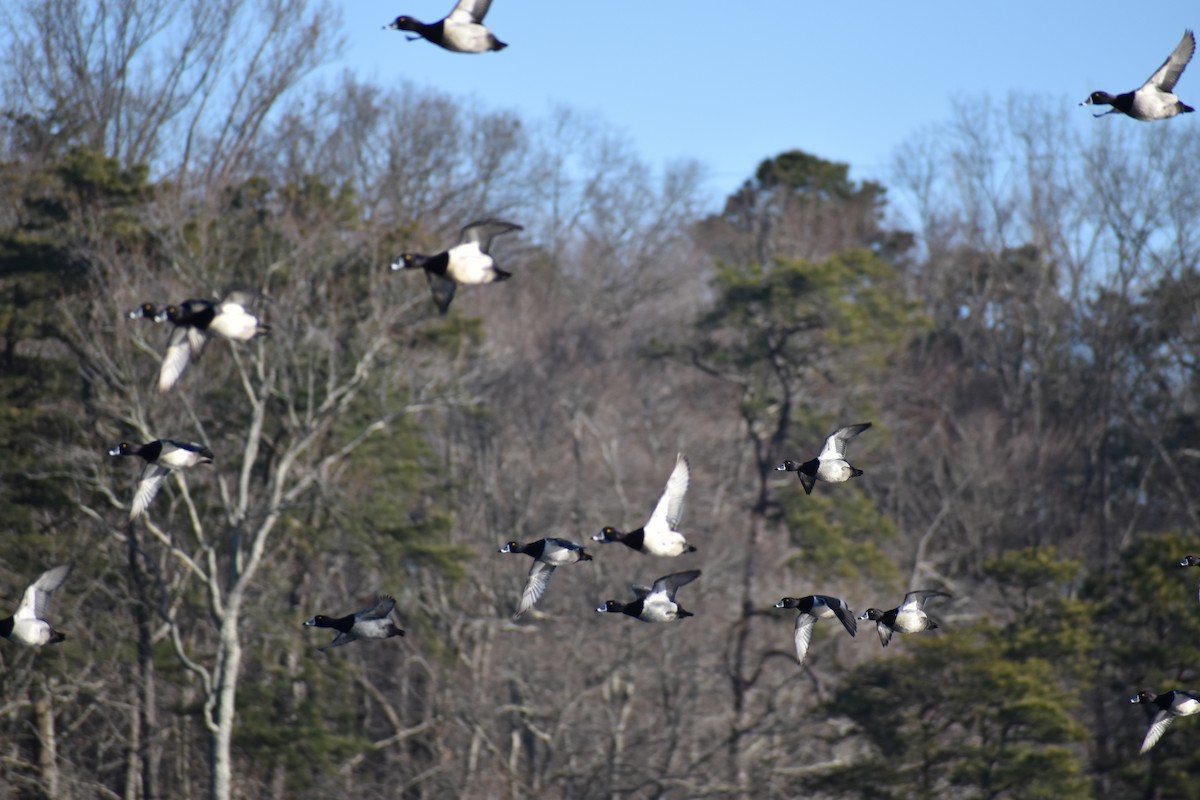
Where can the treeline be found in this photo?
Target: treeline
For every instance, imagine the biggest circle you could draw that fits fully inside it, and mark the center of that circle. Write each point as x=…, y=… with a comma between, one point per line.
x=1017, y=314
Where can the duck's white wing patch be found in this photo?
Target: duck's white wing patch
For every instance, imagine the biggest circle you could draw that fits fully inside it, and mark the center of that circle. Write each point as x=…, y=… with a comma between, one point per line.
x=1158, y=726
x=35, y=603
x=670, y=505
x=180, y=347
x=915, y=600
x=147, y=488
x=804, y=629
x=835, y=445
x=1168, y=74
x=468, y=11
x=535, y=587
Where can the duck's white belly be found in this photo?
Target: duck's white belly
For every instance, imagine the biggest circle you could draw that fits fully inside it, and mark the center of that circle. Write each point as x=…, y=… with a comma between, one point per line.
x=1154, y=105
x=177, y=458
x=234, y=323
x=658, y=609
x=468, y=38
x=660, y=540
x=911, y=621
x=834, y=471
x=469, y=264
x=30, y=632
x=1187, y=708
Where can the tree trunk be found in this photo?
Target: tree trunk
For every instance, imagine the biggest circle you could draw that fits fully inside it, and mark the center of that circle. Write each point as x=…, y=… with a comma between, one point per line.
x=229, y=664
x=47, y=750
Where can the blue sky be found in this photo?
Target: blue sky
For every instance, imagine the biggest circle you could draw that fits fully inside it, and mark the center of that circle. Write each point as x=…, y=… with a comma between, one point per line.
x=730, y=83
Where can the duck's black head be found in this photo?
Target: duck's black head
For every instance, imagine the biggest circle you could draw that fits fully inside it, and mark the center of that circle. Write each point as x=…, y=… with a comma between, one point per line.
x=612, y=607
x=123, y=449
x=1143, y=697
x=788, y=602
x=787, y=466
x=144, y=311
x=512, y=547
x=1098, y=99
x=608, y=534
x=872, y=614
x=171, y=313
x=409, y=261
x=320, y=621
x=403, y=23
x=1190, y=561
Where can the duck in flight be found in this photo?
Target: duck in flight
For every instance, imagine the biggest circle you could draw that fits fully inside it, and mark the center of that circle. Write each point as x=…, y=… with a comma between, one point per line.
x=195, y=321
x=655, y=603
x=161, y=456
x=908, y=617
x=468, y=262
x=813, y=608
x=548, y=554
x=370, y=623
x=660, y=535
x=28, y=626
x=831, y=465
x=462, y=31
x=1154, y=99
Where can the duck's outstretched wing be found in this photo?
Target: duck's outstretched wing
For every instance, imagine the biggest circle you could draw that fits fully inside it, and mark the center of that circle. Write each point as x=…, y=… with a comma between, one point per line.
x=442, y=289
x=1168, y=74
x=917, y=598
x=835, y=445
x=484, y=231
x=885, y=633
x=669, y=584
x=1158, y=726
x=184, y=343
x=670, y=505
x=35, y=602
x=378, y=611
x=842, y=611
x=468, y=11
x=338, y=641
x=804, y=629
x=152, y=480
x=535, y=587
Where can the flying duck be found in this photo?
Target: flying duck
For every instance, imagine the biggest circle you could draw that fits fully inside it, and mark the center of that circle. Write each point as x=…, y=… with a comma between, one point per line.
x=547, y=554
x=1153, y=100
x=1169, y=705
x=161, y=456
x=460, y=32
x=831, y=465
x=660, y=535
x=27, y=625
x=812, y=608
x=370, y=623
x=908, y=617
x=468, y=262
x=195, y=321
x=657, y=603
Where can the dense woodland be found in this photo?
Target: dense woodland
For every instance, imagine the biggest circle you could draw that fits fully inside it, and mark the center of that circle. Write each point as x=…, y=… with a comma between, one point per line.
x=1017, y=312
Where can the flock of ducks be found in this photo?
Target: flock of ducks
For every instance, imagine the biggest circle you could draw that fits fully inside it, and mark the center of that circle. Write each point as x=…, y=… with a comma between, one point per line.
x=469, y=262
